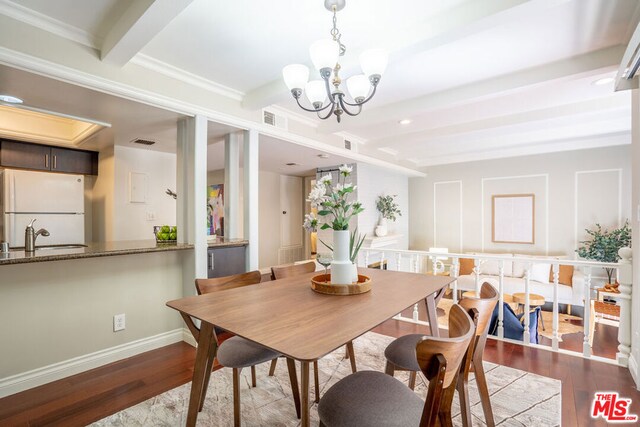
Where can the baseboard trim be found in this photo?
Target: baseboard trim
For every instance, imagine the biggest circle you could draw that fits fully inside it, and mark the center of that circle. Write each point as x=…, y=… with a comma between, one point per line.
x=187, y=337
x=46, y=374
x=633, y=368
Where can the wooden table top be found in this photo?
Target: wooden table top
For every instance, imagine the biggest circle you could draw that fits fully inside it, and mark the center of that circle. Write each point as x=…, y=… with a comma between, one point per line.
x=534, y=299
x=287, y=316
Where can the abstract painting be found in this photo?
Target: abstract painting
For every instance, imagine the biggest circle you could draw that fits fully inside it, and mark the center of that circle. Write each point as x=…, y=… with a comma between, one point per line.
x=215, y=210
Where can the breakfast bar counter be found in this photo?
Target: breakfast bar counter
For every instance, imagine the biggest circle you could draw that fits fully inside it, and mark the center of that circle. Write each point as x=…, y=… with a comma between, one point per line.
x=92, y=250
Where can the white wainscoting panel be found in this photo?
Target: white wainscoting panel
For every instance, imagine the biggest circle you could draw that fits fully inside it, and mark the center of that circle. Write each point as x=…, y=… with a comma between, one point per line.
x=448, y=215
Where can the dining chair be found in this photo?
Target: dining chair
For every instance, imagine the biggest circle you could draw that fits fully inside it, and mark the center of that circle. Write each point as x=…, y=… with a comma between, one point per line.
x=291, y=270
x=369, y=398
x=236, y=352
x=484, y=307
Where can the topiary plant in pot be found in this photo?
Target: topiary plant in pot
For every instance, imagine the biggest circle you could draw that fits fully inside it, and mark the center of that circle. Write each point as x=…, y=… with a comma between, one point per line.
x=605, y=244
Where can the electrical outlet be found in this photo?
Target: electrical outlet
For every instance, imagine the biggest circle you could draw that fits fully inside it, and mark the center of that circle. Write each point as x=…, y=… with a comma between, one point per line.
x=118, y=322
x=151, y=216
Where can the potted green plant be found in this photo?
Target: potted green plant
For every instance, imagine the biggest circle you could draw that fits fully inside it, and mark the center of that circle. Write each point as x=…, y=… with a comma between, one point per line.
x=604, y=245
x=335, y=210
x=389, y=210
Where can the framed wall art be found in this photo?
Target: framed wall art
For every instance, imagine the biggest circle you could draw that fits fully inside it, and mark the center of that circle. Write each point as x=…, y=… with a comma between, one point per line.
x=513, y=218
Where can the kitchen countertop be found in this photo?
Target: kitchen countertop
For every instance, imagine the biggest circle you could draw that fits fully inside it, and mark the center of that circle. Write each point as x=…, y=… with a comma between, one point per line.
x=223, y=241
x=93, y=250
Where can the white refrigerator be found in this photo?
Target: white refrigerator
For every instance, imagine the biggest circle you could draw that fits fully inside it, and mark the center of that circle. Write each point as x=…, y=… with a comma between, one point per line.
x=55, y=200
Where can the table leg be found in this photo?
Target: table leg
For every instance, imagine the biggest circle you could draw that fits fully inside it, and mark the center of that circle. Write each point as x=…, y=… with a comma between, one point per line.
x=304, y=395
x=432, y=315
x=200, y=370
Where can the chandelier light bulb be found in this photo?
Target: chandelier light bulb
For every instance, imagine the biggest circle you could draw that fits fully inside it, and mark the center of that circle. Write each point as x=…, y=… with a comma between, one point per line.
x=374, y=62
x=295, y=76
x=358, y=86
x=316, y=92
x=324, y=53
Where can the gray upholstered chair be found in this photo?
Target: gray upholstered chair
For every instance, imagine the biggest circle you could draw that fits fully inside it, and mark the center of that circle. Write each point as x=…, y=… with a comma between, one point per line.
x=237, y=352
x=400, y=355
x=370, y=399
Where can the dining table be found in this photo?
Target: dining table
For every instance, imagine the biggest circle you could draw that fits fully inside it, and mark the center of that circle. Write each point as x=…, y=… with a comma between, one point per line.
x=290, y=318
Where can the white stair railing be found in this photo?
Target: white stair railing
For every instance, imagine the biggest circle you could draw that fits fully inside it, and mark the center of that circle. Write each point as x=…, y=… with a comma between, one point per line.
x=412, y=261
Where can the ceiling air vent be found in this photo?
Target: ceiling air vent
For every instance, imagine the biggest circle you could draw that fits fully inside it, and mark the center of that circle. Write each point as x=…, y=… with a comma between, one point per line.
x=143, y=141
x=272, y=119
x=347, y=144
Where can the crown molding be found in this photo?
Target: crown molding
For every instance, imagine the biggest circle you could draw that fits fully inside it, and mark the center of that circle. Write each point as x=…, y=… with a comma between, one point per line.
x=169, y=70
x=46, y=23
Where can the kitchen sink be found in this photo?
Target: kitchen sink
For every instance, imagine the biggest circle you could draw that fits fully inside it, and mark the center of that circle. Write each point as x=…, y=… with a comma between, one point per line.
x=54, y=247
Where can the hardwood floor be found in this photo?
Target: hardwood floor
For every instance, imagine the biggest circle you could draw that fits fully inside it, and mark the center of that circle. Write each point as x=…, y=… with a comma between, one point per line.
x=95, y=394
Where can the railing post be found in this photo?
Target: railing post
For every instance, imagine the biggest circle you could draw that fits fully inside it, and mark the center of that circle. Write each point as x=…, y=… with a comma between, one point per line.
x=527, y=279
x=366, y=259
x=624, y=299
x=476, y=271
x=556, y=279
x=381, y=260
x=501, y=300
x=454, y=272
x=586, y=346
x=398, y=261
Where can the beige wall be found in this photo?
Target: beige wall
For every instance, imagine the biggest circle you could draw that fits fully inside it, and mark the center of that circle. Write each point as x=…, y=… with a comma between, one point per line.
x=451, y=207
x=50, y=315
x=269, y=216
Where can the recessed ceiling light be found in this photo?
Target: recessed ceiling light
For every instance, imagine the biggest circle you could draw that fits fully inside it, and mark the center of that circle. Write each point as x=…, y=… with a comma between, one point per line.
x=323, y=156
x=292, y=164
x=10, y=99
x=603, y=81
x=405, y=121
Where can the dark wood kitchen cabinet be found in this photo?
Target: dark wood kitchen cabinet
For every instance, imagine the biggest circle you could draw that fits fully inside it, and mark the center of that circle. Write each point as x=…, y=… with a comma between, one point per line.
x=225, y=261
x=24, y=155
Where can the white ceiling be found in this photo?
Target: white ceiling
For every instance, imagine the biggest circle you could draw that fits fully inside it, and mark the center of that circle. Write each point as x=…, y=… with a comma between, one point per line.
x=477, y=79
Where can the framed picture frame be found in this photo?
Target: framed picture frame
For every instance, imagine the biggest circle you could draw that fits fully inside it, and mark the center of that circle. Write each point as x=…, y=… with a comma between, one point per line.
x=513, y=218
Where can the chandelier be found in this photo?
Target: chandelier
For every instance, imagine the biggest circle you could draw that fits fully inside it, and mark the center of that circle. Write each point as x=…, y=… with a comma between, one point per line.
x=325, y=54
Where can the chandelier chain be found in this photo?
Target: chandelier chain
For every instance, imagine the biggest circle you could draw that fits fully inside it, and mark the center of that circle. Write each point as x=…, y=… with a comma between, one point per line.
x=335, y=33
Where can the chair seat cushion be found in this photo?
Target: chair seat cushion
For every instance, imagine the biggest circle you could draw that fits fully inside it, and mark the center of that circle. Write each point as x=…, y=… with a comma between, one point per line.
x=369, y=399
x=237, y=352
x=402, y=352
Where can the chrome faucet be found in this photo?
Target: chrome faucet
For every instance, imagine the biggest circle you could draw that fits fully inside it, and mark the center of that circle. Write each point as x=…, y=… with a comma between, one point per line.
x=30, y=237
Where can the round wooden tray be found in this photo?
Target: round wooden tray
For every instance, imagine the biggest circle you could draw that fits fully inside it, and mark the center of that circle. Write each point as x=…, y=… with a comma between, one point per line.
x=322, y=285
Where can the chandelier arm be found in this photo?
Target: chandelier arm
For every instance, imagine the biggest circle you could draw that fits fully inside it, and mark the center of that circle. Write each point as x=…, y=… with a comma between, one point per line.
x=365, y=100
x=309, y=109
x=346, y=110
x=333, y=107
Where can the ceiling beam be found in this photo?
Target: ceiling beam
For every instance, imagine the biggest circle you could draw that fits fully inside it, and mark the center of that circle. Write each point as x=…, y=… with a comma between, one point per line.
x=571, y=109
x=446, y=27
x=578, y=65
x=137, y=26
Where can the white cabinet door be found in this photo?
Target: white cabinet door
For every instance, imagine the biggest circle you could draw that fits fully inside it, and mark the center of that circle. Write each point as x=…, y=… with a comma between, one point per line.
x=291, y=205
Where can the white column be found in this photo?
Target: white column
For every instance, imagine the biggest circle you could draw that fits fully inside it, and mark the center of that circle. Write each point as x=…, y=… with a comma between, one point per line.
x=192, y=198
x=251, y=197
x=231, y=184
x=624, y=300
x=586, y=346
x=634, y=358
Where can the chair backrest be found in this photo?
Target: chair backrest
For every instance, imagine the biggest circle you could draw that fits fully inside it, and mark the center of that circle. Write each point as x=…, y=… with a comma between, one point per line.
x=485, y=306
x=205, y=286
x=440, y=360
x=282, y=271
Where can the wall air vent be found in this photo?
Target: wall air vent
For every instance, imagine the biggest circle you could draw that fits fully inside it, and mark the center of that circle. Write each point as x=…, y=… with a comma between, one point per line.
x=276, y=120
x=347, y=144
x=143, y=141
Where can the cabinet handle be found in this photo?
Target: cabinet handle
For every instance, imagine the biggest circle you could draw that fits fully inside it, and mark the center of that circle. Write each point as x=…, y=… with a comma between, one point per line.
x=46, y=161
x=211, y=264
x=55, y=162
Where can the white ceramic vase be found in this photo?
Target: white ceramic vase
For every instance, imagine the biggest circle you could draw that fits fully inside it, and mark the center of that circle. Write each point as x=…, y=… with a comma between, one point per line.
x=341, y=266
x=381, y=229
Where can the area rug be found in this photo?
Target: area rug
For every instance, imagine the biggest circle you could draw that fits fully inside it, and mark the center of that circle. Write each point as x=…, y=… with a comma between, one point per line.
x=518, y=398
x=566, y=323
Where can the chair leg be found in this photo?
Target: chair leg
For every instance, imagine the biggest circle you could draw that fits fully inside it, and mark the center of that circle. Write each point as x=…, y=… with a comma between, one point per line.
x=389, y=368
x=412, y=379
x=316, y=381
x=293, y=379
x=236, y=397
x=352, y=356
x=465, y=407
x=444, y=414
x=322, y=424
x=483, y=391
x=253, y=376
x=272, y=369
